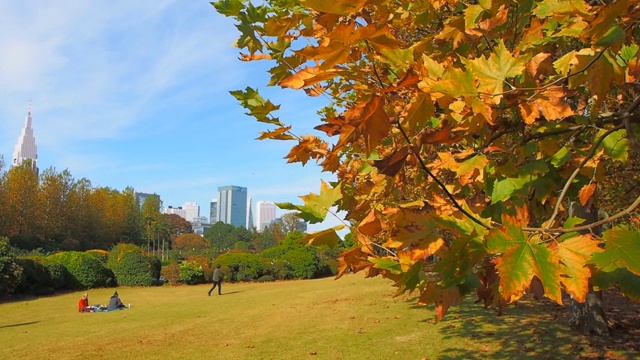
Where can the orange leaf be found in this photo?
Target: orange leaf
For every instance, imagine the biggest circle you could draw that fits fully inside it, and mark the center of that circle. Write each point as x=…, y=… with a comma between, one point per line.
x=586, y=192
x=633, y=71
x=441, y=298
x=393, y=163
x=353, y=260
x=370, y=225
x=438, y=136
x=296, y=81
x=251, y=57
x=277, y=134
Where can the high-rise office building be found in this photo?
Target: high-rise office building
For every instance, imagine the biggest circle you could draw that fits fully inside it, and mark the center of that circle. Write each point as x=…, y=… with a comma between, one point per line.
x=192, y=211
x=266, y=213
x=232, y=205
x=213, y=211
x=249, y=214
x=26, y=149
x=177, y=211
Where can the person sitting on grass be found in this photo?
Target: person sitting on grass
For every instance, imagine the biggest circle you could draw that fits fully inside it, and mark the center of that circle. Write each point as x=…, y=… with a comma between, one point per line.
x=83, y=303
x=115, y=302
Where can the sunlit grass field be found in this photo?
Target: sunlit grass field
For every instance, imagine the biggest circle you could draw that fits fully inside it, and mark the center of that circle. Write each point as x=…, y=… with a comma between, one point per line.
x=349, y=318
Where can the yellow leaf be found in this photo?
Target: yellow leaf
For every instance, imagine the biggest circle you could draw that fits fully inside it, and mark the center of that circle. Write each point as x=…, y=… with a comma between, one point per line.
x=574, y=254
x=338, y=7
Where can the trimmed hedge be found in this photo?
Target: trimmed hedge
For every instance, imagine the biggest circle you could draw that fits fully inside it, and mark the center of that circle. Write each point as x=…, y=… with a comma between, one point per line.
x=35, y=277
x=84, y=270
x=240, y=266
x=133, y=266
x=302, y=264
x=99, y=254
x=10, y=270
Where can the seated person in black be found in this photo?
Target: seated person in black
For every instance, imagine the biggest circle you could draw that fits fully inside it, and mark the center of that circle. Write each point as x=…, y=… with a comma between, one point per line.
x=115, y=302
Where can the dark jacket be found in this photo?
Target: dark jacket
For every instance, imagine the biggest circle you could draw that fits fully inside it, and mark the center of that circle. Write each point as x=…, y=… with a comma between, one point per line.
x=115, y=303
x=216, y=275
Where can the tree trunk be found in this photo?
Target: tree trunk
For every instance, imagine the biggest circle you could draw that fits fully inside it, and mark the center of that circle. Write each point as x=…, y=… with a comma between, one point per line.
x=588, y=317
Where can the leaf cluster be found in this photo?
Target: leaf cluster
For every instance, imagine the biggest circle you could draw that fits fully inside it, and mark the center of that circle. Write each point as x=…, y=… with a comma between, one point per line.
x=461, y=135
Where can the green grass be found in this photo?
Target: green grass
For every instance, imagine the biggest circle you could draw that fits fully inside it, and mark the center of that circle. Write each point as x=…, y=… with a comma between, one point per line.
x=350, y=318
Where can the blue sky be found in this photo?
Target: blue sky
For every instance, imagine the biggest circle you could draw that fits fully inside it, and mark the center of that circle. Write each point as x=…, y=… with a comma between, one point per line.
x=136, y=93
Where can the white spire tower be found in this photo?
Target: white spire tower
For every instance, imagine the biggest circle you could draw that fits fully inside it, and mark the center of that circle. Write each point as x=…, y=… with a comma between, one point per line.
x=26, y=147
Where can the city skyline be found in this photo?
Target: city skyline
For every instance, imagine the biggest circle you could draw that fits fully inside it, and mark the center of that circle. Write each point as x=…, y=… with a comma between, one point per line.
x=131, y=94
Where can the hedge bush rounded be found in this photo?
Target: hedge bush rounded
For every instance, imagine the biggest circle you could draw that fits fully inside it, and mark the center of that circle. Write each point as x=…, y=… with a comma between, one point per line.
x=191, y=273
x=10, y=271
x=240, y=266
x=302, y=264
x=85, y=270
x=133, y=266
x=35, y=277
x=99, y=254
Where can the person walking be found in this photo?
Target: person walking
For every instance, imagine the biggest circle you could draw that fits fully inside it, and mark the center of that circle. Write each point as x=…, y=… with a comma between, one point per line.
x=217, y=280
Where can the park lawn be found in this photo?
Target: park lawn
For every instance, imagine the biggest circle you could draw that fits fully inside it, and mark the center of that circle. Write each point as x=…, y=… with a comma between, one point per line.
x=350, y=318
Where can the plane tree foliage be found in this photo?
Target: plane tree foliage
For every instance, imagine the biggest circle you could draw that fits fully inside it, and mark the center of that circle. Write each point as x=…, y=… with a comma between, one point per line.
x=471, y=141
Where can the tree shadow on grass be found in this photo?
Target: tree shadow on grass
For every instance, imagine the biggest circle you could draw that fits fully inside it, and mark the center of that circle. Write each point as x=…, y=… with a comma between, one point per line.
x=527, y=330
x=19, y=324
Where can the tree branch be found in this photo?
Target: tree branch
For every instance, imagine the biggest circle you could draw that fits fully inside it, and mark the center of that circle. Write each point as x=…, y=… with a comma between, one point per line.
x=441, y=184
x=591, y=153
x=626, y=211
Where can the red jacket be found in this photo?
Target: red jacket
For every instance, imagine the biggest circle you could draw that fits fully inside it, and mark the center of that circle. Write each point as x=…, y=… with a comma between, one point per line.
x=82, y=304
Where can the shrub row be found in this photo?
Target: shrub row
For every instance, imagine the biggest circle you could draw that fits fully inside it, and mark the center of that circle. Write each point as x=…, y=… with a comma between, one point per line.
x=125, y=264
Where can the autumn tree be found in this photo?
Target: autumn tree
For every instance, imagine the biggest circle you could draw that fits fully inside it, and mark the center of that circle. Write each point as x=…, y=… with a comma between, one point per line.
x=21, y=186
x=190, y=244
x=151, y=219
x=470, y=141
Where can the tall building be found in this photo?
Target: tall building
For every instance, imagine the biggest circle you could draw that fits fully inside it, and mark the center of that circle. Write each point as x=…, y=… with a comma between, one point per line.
x=192, y=210
x=177, y=211
x=266, y=213
x=249, y=214
x=26, y=149
x=232, y=205
x=142, y=197
x=213, y=211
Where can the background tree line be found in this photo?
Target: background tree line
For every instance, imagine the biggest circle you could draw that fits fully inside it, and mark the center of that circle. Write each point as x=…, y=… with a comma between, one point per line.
x=53, y=211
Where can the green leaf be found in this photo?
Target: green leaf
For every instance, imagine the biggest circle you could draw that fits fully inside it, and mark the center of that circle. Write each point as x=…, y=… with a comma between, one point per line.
x=560, y=157
x=492, y=72
x=397, y=57
x=622, y=250
x=615, y=34
x=325, y=237
x=411, y=278
x=629, y=283
x=455, y=264
x=316, y=207
x=547, y=8
x=616, y=145
x=339, y=7
x=228, y=7
x=628, y=53
x=387, y=264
